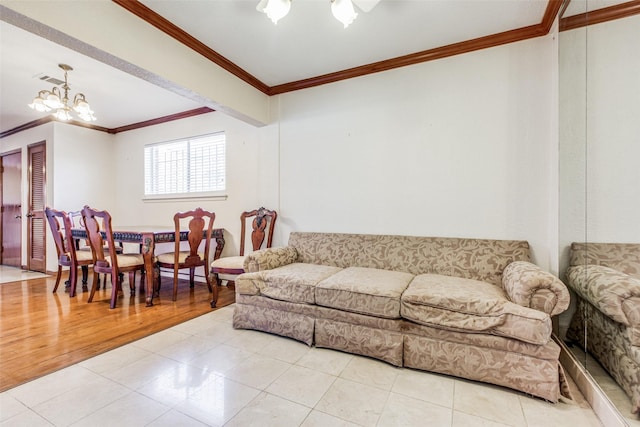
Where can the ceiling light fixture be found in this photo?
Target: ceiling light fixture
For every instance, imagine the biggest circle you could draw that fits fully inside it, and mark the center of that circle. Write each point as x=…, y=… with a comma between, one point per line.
x=342, y=10
x=53, y=99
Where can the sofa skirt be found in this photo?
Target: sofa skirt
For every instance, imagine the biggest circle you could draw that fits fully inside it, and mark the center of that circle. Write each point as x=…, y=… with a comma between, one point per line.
x=529, y=368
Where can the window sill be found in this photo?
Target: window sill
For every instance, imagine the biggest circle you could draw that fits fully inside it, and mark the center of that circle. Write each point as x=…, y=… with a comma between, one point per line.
x=177, y=198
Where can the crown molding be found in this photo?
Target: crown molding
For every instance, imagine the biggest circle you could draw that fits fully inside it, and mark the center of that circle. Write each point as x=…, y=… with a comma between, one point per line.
x=152, y=122
x=622, y=10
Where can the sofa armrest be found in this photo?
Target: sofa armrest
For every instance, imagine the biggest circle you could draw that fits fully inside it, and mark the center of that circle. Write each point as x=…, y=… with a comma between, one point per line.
x=528, y=285
x=268, y=259
x=614, y=293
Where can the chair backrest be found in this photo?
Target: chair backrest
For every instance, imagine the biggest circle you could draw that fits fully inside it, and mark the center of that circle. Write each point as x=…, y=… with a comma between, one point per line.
x=61, y=234
x=263, y=223
x=75, y=217
x=92, y=219
x=200, y=224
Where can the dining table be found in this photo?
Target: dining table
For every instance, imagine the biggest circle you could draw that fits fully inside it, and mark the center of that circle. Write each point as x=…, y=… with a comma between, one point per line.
x=147, y=237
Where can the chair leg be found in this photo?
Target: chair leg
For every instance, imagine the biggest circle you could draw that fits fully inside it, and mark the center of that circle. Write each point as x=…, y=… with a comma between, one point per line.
x=55, y=288
x=116, y=285
x=95, y=285
x=175, y=283
x=85, y=275
x=217, y=279
x=192, y=275
x=208, y=278
x=73, y=280
x=214, y=297
x=132, y=283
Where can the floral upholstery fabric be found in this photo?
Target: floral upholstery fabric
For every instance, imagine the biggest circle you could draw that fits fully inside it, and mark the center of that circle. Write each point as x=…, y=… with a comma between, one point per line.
x=614, y=293
x=478, y=259
x=364, y=290
x=623, y=257
x=530, y=286
x=609, y=342
x=268, y=259
x=473, y=306
x=233, y=262
x=292, y=282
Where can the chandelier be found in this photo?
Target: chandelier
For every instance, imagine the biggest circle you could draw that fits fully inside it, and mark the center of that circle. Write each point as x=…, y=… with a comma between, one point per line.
x=58, y=102
x=342, y=10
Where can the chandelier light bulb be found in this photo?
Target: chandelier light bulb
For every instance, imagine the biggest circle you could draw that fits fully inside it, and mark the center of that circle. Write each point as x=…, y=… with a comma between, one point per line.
x=274, y=9
x=62, y=114
x=38, y=104
x=343, y=11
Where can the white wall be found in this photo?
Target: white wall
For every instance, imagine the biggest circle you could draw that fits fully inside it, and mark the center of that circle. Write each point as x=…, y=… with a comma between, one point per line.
x=243, y=166
x=613, y=131
x=462, y=146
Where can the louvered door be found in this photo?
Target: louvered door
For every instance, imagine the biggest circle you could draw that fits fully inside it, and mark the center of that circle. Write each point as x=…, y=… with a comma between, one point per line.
x=36, y=224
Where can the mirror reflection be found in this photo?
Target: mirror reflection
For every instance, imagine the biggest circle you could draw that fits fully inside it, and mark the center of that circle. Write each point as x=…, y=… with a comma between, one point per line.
x=600, y=196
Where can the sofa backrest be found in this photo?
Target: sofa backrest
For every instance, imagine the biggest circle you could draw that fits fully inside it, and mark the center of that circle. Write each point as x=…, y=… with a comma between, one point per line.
x=479, y=259
x=623, y=257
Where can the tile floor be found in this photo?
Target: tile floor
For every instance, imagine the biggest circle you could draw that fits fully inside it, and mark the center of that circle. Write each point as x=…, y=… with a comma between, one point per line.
x=13, y=274
x=203, y=372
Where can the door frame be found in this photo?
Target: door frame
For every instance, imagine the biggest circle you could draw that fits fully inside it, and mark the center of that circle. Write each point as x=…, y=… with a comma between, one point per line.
x=2, y=213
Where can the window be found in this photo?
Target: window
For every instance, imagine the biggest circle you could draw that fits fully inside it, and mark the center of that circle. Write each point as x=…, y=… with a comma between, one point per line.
x=186, y=167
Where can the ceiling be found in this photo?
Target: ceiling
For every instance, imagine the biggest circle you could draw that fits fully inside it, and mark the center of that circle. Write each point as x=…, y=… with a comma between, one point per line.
x=307, y=43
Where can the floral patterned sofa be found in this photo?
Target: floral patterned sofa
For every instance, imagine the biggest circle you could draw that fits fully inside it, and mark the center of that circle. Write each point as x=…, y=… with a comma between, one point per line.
x=472, y=308
x=606, y=279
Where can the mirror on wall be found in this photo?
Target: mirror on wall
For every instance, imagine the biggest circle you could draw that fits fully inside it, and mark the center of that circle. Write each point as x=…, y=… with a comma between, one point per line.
x=599, y=88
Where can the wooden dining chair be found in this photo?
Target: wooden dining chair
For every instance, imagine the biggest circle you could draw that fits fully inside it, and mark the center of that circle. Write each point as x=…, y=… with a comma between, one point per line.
x=109, y=262
x=60, y=225
x=263, y=222
x=200, y=226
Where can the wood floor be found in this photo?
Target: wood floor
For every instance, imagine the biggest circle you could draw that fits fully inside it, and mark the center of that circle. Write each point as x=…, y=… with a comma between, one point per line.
x=41, y=332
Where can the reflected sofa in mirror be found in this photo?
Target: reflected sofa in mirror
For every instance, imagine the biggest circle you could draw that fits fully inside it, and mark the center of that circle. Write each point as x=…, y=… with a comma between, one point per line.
x=606, y=280
x=599, y=91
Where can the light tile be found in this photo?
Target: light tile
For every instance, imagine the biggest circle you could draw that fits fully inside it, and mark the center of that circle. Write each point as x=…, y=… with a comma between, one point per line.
x=460, y=419
x=115, y=359
x=26, y=418
x=187, y=349
x=328, y=361
x=72, y=406
x=218, y=332
x=425, y=386
x=132, y=409
x=184, y=382
x=217, y=401
x=47, y=387
x=540, y=413
x=487, y=401
x=320, y=419
x=257, y=371
x=174, y=418
x=10, y=406
x=221, y=359
x=351, y=401
x=252, y=341
x=268, y=410
x=285, y=349
x=402, y=411
x=160, y=340
x=147, y=369
x=370, y=372
x=302, y=385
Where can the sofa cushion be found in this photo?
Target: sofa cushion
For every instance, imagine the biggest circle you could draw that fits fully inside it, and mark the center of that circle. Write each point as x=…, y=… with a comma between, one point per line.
x=292, y=282
x=472, y=306
x=364, y=290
